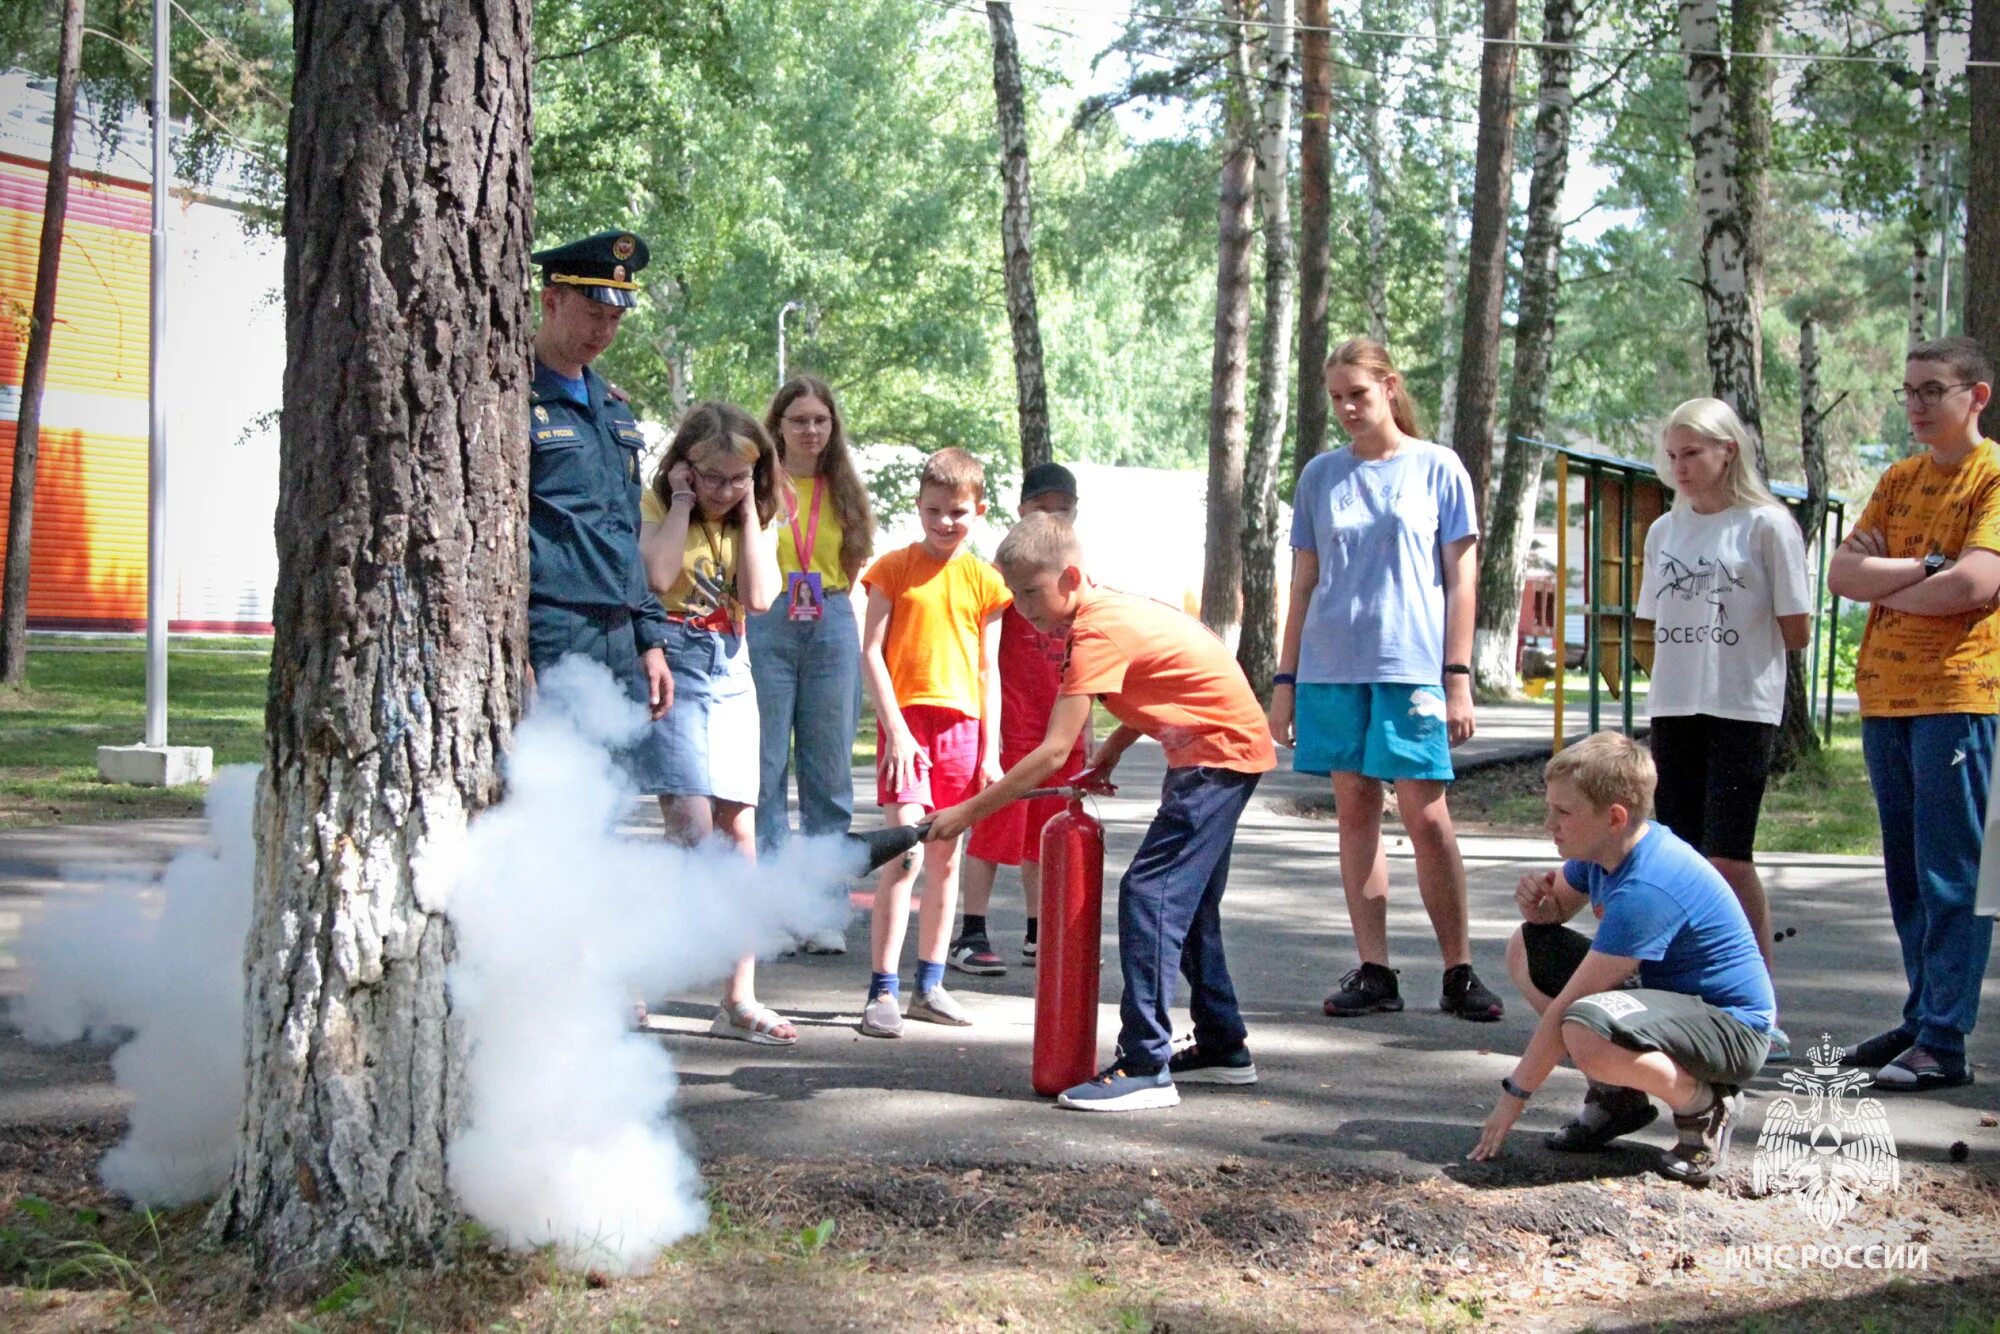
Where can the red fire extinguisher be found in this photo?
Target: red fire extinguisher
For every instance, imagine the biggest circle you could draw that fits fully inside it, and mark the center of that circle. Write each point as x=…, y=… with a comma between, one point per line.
x=1067, y=967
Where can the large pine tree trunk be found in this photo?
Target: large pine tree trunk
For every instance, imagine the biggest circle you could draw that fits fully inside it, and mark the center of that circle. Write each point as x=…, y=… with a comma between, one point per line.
x=1727, y=222
x=1981, y=315
x=1448, y=225
x=1796, y=737
x=1222, y=558
x=35, y=364
x=400, y=612
x=1257, y=649
x=1511, y=523
x=1016, y=234
x=1486, y=252
x=1375, y=264
x=1315, y=222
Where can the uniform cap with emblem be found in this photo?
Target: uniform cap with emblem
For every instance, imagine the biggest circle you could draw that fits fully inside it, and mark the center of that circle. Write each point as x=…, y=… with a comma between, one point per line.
x=600, y=266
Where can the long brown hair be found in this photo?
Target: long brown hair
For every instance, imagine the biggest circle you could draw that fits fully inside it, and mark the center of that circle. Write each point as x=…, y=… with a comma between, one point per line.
x=735, y=430
x=836, y=468
x=1368, y=355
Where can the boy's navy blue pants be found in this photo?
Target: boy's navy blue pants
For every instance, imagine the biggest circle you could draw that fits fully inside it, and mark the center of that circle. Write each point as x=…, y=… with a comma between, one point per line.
x=1170, y=916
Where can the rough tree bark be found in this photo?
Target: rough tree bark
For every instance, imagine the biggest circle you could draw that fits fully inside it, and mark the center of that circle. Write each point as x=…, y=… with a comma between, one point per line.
x=1511, y=522
x=1750, y=79
x=1375, y=264
x=1222, y=559
x=1734, y=339
x=1448, y=169
x=1315, y=222
x=1981, y=313
x=35, y=363
x=1796, y=737
x=1257, y=649
x=1486, y=251
x=1923, y=210
x=1017, y=239
x=400, y=613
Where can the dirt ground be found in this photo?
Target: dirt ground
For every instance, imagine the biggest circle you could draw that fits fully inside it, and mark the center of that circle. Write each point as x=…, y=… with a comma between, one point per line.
x=1228, y=1247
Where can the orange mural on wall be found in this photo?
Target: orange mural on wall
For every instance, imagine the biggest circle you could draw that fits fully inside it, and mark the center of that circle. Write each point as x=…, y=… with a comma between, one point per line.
x=88, y=567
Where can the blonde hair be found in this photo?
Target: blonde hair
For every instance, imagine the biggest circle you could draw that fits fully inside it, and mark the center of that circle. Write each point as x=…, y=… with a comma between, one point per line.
x=1608, y=768
x=716, y=425
x=1713, y=419
x=1368, y=355
x=956, y=470
x=1039, y=543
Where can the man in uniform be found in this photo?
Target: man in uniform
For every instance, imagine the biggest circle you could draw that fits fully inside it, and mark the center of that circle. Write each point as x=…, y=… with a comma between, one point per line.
x=587, y=590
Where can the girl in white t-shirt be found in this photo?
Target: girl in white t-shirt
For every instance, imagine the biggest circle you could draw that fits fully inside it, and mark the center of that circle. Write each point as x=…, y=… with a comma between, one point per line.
x=1726, y=588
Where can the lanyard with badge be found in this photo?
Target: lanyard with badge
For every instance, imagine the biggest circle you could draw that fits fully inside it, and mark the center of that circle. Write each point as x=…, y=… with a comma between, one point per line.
x=804, y=595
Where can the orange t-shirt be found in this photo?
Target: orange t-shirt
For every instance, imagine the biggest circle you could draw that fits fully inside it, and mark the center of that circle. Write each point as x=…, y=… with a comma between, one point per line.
x=1909, y=664
x=939, y=608
x=1163, y=672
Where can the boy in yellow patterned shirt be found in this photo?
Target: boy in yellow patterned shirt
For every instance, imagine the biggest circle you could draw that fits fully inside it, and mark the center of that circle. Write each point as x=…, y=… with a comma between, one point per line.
x=1926, y=555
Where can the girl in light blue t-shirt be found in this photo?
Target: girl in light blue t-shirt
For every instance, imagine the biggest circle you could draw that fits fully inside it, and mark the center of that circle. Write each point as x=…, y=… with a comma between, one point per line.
x=1374, y=669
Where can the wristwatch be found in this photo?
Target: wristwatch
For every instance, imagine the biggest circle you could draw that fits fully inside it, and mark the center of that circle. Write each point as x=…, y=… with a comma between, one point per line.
x=1934, y=562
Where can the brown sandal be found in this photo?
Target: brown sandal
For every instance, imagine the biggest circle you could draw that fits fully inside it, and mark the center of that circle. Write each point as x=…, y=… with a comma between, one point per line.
x=1703, y=1149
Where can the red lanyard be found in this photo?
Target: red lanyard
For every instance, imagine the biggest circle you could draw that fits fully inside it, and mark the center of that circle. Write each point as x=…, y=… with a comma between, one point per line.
x=804, y=545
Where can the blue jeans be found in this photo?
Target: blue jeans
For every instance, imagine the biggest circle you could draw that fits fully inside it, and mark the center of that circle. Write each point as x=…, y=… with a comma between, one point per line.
x=1930, y=775
x=1170, y=913
x=808, y=676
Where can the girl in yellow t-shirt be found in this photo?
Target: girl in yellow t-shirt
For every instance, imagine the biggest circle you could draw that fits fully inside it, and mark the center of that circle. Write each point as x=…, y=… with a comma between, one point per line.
x=705, y=534
x=806, y=650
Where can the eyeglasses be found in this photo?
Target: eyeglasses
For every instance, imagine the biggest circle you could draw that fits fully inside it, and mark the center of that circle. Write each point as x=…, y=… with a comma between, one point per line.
x=821, y=424
x=716, y=481
x=1930, y=393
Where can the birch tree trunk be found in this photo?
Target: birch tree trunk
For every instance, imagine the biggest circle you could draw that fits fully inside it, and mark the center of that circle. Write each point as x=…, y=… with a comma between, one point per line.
x=35, y=362
x=1981, y=313
x=1486, y=252
x=1733, y=336
x=400, y=613
x=1016, y=235
x=1923, y=213
x=1448, y=169
x=1257, y=649
x=1315, y=222
x=1796, y=737
x=1511, y=523
x=1750, y=79
x=1222, y=561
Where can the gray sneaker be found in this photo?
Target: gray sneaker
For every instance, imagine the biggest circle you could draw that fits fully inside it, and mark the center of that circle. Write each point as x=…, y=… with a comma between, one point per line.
x=882, y=1017
x=938, y=1006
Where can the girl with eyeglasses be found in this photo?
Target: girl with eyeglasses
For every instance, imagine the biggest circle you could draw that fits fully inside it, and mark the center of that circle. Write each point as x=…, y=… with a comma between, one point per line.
x=706, y=536
x=806, y=650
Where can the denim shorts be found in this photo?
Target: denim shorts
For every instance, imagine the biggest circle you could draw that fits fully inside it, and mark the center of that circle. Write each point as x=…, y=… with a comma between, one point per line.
x=1385, y=732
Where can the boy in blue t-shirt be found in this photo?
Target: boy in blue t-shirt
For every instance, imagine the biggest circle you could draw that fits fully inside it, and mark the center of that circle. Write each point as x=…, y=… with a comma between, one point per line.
x=1694, y=1028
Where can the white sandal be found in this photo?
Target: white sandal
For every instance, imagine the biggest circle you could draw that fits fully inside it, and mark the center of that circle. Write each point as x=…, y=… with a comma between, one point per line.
x=751, y=1022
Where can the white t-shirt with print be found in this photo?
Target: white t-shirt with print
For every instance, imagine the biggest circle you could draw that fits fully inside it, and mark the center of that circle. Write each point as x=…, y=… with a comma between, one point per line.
x=1714, y=586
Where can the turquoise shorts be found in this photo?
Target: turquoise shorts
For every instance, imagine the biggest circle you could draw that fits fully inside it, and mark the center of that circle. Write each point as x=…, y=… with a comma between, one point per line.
x=1383, y=731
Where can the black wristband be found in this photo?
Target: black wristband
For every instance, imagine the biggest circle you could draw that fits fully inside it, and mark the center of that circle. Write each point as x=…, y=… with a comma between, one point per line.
x=1457, y=669
x=1284, y=679
x=1513, y=1090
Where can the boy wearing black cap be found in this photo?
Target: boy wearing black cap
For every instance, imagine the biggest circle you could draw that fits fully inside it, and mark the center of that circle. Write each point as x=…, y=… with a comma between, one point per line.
x=1030, y=677
x=587, y=589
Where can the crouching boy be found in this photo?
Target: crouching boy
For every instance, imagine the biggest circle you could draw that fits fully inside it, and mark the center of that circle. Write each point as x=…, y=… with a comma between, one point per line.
x=1694, y=1029
x=1163, y=675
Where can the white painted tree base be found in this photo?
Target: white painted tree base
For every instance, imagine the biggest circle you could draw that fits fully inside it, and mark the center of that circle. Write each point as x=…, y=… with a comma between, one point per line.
x=155, y=766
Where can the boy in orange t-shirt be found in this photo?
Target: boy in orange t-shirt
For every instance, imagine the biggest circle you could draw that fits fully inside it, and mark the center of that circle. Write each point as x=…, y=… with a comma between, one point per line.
x=1161, y=674
x=930, y=649
x=1925, y=555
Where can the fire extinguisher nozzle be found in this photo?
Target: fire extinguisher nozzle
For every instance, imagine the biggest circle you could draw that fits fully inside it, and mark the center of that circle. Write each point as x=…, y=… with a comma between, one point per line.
x=878, y=847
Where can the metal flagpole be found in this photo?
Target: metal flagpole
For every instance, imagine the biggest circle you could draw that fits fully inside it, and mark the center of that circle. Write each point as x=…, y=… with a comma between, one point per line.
x=156, y=452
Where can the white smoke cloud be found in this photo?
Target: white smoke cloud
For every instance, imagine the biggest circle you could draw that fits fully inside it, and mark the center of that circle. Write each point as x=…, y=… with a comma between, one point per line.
x=568, y=1139
x=164, y=961
x=560, y=925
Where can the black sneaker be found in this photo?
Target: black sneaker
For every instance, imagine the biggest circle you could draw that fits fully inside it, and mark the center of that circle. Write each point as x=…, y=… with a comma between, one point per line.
x=1192, y=1065
x=1369, y=989
x=1467, y=997
x=974, y=955
x=1879, y=1050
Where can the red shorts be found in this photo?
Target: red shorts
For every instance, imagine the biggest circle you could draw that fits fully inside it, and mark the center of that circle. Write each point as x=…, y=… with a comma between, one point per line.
x=1013, y=834
x=947, y=759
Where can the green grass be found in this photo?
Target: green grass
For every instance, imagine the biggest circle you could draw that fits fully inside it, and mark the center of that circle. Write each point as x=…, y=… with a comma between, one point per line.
x=80, y=698
x=1824, y=805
